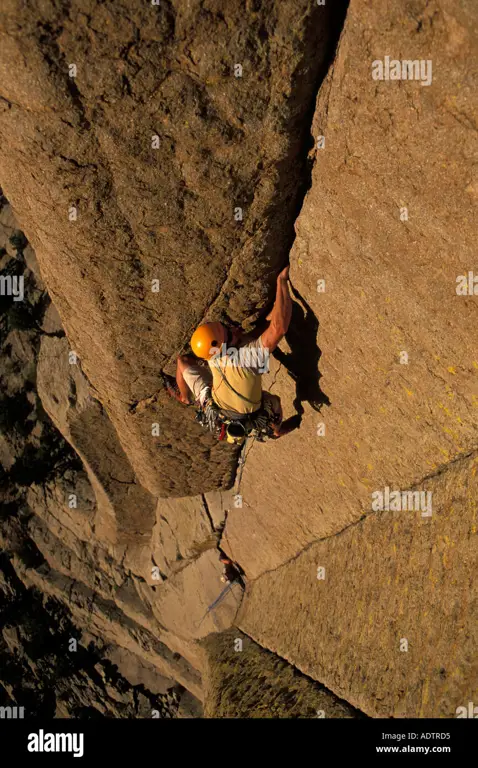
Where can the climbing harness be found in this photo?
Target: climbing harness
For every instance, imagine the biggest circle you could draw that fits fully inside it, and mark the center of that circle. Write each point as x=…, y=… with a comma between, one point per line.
x=233, y=427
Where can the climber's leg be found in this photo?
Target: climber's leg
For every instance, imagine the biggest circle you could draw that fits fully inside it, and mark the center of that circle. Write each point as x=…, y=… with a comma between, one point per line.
x=192, y=377
x=276, y=407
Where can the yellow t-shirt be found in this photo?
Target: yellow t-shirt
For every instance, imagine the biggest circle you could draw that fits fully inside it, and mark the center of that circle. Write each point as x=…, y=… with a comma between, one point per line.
x=242, y=369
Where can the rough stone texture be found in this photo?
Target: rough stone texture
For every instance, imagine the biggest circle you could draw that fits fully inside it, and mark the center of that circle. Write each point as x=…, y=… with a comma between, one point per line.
x=113, y=602
x=217, y=503
x=29, y=446
x=391, y=577
x=166, y=213
x=137, y=671
x=182, y=531
x=189, y=707
x=390, y=287
x=241, y=679
x=183, y=602
x=42, y=673
x=115, y=621
x=125, y=509
x=58, y=547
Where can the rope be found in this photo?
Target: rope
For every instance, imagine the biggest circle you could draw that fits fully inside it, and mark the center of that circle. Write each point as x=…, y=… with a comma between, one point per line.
x=217, y=366
x=242, y=461
x=217, y=601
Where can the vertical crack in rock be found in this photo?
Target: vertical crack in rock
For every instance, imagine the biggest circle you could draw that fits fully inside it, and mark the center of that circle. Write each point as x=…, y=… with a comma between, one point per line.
x=294, y=180
x=164, y=214
x=309, y=150
x=306, y=156
x=208, y=513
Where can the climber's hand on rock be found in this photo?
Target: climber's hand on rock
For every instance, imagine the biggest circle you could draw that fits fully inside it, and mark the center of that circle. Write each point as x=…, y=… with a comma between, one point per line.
x=284, y=275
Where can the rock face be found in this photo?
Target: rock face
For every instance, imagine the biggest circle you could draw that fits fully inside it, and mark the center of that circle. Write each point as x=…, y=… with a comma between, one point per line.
x=171, y=153
x=182, y=530
x=197, y=584
x=158, y=170
x=387, y=350
x=242, y=679
x=65, y=560
x=51, y=674
x=384, y=613
x=380, y=365
x=127, y=510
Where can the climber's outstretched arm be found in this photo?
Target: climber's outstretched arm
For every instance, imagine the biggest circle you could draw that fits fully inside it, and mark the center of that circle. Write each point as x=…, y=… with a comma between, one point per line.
x=280, y=315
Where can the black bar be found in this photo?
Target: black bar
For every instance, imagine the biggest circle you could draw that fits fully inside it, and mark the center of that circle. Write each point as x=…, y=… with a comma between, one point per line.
x=162, y=740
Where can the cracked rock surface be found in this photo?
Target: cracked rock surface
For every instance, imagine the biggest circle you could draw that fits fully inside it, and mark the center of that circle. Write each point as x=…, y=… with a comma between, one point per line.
x=371, y=420
x=157, y=188
x=147, y=144
x=390, y=288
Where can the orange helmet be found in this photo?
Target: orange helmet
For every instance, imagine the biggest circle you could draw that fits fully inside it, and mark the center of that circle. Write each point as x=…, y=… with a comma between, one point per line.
x=207, y=339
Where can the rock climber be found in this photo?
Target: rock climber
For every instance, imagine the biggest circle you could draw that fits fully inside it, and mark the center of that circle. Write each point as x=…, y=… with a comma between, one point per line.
x=231, y=379
x=229, y=570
